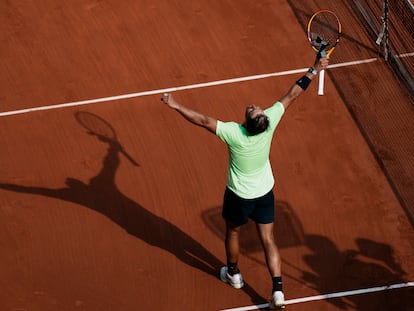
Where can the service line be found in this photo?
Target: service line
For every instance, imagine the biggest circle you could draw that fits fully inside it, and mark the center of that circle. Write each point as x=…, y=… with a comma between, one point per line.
x=328, y=296
x=178, y=88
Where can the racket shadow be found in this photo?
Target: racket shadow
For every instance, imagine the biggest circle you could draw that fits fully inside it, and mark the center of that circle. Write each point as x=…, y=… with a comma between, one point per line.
x=102, y=195
x=102, y=129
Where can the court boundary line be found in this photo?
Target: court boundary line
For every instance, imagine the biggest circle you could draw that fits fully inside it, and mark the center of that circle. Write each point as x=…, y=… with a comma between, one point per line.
x=328, y=296
x=187, y=87
x=178, y=88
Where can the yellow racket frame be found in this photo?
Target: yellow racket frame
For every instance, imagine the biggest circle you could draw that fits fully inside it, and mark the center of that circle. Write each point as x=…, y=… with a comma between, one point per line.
x=328, y=51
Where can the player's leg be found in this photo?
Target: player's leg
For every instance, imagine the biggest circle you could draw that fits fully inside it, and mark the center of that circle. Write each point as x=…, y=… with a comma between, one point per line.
x=271, y=251
x=231, y=273
x=235, y=216
x=263, y=215
x=273, y=262
x=232, y=244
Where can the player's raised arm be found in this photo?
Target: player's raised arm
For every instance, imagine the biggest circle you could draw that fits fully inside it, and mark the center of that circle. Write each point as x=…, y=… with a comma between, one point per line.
x=193, y=116
x=303, y=83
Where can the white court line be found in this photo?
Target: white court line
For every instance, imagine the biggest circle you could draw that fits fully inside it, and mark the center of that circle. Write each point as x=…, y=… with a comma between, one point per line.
x=328, y=296
x=178, y=88
x=405, y=55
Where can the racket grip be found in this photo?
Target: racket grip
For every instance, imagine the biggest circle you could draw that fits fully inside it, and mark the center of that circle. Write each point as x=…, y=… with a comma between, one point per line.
x=322, y=51
x=321, y=82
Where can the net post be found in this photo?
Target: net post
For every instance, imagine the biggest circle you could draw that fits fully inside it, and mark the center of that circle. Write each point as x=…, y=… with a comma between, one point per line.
x=383, y=35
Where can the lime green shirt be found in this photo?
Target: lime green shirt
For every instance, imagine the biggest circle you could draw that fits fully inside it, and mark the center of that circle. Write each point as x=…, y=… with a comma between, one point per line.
x=250, y=173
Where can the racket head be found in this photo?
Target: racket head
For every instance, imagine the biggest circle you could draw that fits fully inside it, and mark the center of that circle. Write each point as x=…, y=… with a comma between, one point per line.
x=324, y=31
x=95, y=125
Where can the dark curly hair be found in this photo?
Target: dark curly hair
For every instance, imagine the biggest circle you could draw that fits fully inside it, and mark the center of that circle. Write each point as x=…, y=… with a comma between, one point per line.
x=257, y=125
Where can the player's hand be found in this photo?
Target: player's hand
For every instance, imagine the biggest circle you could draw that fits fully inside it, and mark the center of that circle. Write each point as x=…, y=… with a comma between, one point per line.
x=165, y=97
x=168, y=99
x=321, y=63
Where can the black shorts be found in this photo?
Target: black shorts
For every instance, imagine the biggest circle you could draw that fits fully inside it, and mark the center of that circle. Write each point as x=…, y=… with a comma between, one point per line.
x=238, y=210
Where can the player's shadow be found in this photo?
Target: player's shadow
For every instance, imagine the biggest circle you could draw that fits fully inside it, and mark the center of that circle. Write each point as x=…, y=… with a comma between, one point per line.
x=372, y=264
x=101, y=194
x=329, y=270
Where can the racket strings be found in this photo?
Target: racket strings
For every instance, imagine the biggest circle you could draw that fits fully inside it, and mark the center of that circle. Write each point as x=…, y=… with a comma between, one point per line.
x=324, y=29
x=95, y=125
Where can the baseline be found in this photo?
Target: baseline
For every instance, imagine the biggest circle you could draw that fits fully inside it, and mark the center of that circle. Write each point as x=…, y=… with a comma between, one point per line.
x=329, y=296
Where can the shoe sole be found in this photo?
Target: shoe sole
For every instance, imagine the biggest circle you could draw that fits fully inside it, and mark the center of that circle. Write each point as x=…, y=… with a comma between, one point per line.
x=277, y=306
x=236, y=286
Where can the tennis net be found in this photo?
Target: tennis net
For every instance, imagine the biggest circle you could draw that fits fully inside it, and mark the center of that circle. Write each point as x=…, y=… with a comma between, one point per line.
x=392, y=26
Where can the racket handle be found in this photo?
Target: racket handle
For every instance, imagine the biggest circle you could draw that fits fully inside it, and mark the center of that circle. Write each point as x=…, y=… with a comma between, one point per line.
x=321, y=82
x=129, y=157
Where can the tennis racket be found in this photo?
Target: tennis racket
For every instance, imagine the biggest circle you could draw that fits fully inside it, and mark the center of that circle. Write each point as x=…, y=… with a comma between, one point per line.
x=324, y=31
x=101, y=128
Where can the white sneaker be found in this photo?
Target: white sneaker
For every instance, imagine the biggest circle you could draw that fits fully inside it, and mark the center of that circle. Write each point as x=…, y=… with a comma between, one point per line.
x=235, y=280
x=278, y=300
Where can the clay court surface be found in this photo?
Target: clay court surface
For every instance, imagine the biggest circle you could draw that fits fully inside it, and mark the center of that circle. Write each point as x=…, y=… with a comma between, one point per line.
x=87, y=224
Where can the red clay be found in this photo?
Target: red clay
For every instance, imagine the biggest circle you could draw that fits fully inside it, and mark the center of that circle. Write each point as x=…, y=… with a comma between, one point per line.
x=82, y=228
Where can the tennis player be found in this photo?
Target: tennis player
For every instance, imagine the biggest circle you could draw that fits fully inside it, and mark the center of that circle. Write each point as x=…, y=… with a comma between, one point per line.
x=250, y=181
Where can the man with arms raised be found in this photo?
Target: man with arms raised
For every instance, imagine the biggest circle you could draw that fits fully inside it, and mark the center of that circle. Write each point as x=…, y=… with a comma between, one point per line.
x=250, y=181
